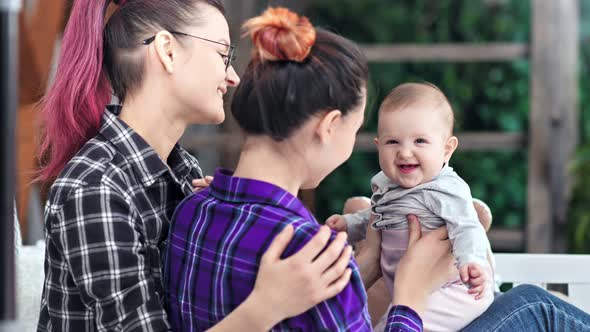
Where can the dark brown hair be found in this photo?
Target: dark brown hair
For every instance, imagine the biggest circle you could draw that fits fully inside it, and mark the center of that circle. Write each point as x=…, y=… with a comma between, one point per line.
x=296, y=72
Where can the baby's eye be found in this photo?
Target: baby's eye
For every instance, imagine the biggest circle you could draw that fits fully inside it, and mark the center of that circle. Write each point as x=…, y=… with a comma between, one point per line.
x=391, y=141
x=421, y=141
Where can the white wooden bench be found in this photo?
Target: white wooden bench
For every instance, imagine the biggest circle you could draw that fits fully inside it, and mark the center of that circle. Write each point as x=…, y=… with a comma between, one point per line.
x=543, y=269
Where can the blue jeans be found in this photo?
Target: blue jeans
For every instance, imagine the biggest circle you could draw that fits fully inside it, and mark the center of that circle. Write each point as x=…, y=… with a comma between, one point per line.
x=530, y=308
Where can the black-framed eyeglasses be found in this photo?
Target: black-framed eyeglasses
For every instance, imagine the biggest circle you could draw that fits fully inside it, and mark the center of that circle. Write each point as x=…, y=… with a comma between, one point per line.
x=227, y=58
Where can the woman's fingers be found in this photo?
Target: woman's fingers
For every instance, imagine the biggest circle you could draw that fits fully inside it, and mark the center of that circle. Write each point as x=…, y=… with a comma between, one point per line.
x=292, y=285
x=317, y=243
x=332, y=252
x=426, y=265
x=203, y=183
x=336, y=287
x=199, y=183
x=439, y=240
x=414, y=230
x=335, y=271
x=207, y=179
x=279, y=244
x=440, y=233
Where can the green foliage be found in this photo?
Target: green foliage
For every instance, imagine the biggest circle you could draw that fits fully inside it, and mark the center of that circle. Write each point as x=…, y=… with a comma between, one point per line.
x=424, y=21
x=579, y=221
x=579, y=213
x=485, y=96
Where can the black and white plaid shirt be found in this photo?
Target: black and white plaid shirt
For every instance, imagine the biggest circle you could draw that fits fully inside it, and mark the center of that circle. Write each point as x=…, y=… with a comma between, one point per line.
x=106, y=223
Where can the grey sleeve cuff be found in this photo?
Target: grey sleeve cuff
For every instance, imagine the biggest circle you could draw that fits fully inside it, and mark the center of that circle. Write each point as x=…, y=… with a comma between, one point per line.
x=356, y=224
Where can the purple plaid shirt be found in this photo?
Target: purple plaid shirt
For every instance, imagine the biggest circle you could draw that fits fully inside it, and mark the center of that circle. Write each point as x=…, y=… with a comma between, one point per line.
x=217, y=239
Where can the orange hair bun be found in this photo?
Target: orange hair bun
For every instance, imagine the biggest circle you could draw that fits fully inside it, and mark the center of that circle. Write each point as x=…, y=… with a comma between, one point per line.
x=280, y=34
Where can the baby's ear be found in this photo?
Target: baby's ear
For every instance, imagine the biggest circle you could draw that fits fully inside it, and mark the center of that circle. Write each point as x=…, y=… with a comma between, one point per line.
x=450, y=147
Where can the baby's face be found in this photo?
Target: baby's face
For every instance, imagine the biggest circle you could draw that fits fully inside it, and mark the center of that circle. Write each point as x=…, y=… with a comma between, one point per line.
x=414, y=143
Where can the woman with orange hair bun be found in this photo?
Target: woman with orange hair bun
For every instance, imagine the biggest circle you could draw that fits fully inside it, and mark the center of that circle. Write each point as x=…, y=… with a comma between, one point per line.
x=300, y=104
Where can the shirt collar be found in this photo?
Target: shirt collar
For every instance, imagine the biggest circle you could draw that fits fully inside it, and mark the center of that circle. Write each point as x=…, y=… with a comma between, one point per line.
x=446, y=170
x=381, y=183
x=229, y=188
x=142, y=157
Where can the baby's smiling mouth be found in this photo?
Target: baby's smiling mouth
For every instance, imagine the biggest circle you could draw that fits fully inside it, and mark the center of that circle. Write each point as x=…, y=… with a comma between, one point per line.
x=407, y=168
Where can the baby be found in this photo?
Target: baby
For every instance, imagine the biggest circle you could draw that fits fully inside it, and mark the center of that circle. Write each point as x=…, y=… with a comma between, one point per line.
x=415, y=142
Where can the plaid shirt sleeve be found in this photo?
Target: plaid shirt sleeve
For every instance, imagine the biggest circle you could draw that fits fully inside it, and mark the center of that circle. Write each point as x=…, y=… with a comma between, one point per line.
x=347, y=311
x=403, y=319
x=100, y=236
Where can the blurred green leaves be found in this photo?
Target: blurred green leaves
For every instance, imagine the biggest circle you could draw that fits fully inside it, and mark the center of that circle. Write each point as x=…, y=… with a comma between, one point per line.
x=579, y=221
x=485, y=96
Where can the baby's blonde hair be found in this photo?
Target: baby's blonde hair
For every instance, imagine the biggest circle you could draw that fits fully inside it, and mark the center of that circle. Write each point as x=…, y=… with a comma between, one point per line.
x=410, y=94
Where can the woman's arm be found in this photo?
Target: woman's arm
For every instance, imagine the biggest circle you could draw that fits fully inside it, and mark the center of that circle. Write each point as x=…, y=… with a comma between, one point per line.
x=97, y=233
x=368, y=257
x=288, y=287
x=425, y=267
x=293, y=285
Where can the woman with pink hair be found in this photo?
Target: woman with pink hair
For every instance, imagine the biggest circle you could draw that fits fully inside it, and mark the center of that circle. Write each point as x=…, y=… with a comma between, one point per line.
x=118, y=172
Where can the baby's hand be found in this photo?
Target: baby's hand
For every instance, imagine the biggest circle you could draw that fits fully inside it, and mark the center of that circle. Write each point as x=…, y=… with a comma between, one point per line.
x=476, y=276
x=337, y=223
x=203, y=183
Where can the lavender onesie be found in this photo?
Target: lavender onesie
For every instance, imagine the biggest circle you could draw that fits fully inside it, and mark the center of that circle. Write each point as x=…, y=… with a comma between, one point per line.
x=445, y=200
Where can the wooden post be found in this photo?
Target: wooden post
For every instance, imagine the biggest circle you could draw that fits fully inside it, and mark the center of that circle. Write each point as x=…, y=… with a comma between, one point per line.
x=553, y=121
x=8, y=99
x=38, y=33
